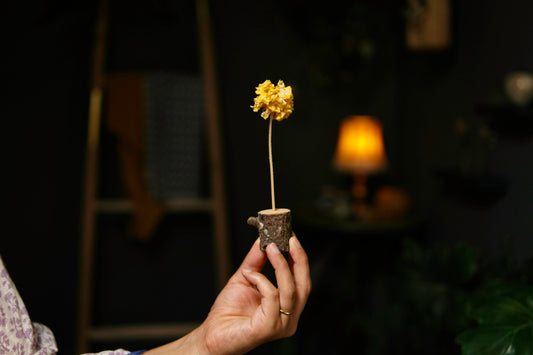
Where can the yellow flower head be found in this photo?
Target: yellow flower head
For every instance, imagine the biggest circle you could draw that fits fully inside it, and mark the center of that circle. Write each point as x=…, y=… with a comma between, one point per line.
x=276, y=101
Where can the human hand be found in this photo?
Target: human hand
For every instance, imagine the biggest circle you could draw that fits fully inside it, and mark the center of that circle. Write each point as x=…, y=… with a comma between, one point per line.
x=247, y=311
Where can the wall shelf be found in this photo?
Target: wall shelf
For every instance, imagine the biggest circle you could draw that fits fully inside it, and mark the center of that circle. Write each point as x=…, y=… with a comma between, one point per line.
x=171, y=206
x=508, y=120
x=480, y=190
x=141, y=331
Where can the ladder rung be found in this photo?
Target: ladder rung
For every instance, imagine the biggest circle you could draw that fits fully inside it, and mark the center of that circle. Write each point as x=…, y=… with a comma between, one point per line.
x=141, y=331
x=174, y=205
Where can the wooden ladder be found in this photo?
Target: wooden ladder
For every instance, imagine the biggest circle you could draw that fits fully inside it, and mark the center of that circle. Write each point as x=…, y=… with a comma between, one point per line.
x=92, y=206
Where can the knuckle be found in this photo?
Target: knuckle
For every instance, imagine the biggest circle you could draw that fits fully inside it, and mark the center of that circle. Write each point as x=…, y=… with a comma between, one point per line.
x=293, y=296
x=274, y=293
x=290, y=289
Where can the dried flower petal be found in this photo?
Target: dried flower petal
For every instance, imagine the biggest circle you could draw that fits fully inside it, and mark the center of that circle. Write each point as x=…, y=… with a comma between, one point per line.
x=276, y=101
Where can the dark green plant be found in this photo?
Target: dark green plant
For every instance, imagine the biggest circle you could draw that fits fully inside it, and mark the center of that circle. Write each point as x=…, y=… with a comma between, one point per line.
x=444, y=290
x=427, y=300
x=504, y=322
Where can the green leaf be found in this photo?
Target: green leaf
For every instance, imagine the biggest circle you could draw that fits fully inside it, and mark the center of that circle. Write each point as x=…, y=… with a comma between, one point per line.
x=505, y=328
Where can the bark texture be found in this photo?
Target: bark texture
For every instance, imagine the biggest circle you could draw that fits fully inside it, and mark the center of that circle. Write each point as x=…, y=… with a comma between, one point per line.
x=274, y=226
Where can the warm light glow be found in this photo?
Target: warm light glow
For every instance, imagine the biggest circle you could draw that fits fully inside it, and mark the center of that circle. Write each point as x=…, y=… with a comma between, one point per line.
x=360, y=148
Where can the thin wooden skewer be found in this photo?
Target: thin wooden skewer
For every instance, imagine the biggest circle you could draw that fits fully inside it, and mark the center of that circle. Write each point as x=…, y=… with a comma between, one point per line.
x=271, y=164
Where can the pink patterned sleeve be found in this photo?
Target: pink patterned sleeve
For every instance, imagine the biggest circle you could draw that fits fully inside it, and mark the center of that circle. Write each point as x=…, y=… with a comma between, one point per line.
x=113, y=352
x=18, y=335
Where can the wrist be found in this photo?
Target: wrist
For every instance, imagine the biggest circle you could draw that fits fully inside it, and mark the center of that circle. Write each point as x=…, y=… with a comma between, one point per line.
x=191, y=344
x=199, y=341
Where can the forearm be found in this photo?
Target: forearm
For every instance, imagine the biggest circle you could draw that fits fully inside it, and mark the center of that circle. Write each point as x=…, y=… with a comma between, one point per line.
x=191, y=344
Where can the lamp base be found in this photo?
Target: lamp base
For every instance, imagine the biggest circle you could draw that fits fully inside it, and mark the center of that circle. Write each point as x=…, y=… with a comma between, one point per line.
x=360, y=208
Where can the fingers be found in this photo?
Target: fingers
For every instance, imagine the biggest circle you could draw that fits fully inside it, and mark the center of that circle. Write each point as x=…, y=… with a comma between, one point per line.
x=270, y=305
x=293, y=286
x=300, y=269
x=284, y=277
x=255, y=259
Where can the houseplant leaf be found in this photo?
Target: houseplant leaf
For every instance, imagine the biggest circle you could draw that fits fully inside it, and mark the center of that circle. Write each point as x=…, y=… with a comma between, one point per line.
x=505, y=326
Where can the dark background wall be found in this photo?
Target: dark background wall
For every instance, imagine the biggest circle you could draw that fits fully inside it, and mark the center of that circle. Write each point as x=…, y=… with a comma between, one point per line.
x=418, y=97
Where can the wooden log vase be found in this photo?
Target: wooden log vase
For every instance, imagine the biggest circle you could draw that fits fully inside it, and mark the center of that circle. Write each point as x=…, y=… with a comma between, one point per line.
x=274, y=226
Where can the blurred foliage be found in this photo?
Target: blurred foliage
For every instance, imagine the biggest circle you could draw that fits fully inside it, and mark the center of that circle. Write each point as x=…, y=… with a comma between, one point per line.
x=439, y=292
x=505, y=323
x=347, y=42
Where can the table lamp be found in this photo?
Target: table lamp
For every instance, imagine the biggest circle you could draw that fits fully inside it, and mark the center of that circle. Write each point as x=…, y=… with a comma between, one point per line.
x=360, y=151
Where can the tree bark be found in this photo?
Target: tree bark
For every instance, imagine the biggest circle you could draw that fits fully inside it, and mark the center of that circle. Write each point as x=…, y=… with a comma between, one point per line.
x=274, y=226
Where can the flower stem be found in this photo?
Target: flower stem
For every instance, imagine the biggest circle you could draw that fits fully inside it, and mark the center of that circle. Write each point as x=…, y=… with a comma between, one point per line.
x=271, y=164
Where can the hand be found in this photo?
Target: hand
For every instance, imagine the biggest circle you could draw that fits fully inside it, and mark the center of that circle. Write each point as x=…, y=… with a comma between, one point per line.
x=247, y=311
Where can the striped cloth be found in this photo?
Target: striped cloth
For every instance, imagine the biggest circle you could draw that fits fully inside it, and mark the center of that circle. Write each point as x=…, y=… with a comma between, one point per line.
x=173, y=137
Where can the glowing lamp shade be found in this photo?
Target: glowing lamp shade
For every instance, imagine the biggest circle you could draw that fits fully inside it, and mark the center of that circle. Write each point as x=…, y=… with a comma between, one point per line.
x=360, y=148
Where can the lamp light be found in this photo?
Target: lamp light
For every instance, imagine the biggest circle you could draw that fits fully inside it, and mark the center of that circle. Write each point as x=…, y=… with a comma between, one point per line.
x=360, y=151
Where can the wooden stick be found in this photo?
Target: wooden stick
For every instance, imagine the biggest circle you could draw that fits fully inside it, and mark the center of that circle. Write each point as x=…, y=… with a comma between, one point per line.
x=90, y=181
x=216, y=156
x=271, y=165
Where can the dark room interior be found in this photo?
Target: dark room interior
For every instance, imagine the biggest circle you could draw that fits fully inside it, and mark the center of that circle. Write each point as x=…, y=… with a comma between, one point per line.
x=449, y=232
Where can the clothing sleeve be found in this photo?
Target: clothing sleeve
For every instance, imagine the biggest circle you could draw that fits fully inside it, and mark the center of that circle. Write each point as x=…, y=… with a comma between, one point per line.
x=117, y=352
x=18, y=335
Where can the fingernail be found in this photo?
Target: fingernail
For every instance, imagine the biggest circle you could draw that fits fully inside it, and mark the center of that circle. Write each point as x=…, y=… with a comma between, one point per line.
x=246, y=271
x=295, y=243
x=274, y=248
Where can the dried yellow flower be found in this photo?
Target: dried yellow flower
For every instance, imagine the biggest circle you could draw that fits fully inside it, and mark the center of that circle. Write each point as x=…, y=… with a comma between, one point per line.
x=276, y=101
